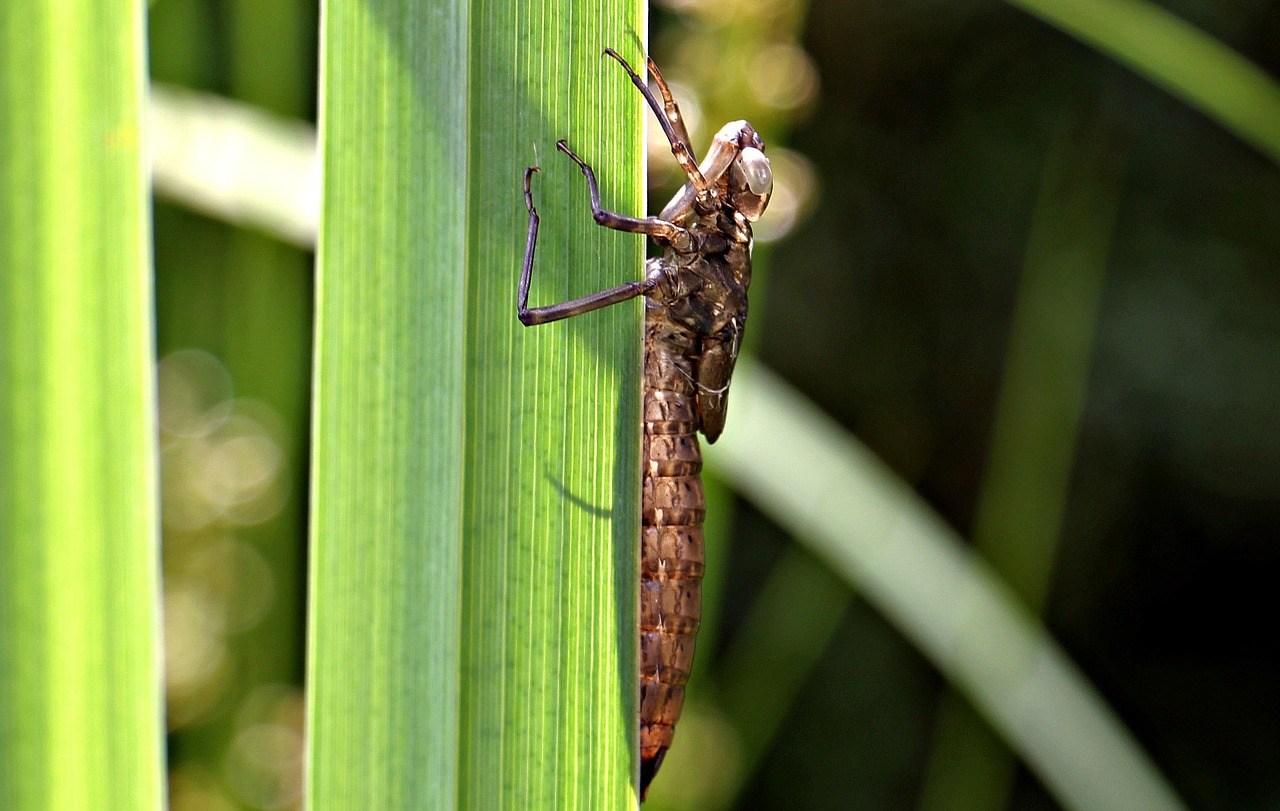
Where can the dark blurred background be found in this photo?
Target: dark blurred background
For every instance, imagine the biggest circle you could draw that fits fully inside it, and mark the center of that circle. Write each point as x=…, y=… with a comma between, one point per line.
x=921, y=148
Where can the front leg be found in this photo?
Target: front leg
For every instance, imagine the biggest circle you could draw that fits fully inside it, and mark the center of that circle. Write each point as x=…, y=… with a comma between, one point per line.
x=554, y=312
x=672, y=124
x=668, y=232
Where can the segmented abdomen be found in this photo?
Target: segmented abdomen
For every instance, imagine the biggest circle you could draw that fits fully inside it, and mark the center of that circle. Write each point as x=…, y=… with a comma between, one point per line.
x=671, y=561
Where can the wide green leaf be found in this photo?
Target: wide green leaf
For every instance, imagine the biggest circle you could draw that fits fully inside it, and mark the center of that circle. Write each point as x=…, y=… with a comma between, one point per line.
x=475, y=484
x=80, y=707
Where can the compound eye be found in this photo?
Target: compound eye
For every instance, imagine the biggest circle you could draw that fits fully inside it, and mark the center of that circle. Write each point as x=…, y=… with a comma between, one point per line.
x=756, y=170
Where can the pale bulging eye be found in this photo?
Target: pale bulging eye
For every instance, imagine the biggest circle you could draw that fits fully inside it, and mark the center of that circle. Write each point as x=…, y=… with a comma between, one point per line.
x=756, y=171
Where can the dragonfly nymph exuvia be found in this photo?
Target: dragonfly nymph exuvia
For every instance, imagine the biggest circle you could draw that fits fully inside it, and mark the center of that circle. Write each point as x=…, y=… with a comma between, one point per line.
x=695, y=310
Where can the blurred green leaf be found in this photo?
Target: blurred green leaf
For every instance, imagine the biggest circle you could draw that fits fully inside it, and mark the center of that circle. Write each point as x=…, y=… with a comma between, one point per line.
x=235, y=162
x=80, y=707
x=782, y=639
x=474, y=495
x=844, y=504
x=1023, y=498
x=1177, y=56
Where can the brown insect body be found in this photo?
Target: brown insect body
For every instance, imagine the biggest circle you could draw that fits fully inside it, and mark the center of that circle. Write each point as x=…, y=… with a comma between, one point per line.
x=691, y=342
x=695, y=310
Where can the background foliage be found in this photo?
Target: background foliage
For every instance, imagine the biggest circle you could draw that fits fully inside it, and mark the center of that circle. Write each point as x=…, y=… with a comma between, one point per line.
x=1106, y=434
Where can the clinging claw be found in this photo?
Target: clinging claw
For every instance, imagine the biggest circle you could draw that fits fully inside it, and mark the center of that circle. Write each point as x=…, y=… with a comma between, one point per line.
x=528, y=188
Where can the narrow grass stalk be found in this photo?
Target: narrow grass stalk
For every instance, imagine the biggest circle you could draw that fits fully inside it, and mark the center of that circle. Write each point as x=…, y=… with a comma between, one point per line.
x=1024, y=493
x=1178, y=57
x=817, y=482
x=80, y=706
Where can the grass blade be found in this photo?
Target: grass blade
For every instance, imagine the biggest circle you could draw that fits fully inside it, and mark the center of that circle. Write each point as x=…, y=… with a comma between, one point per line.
x=840, y=501
x=550, y=566
x=235, y=162
x=475, y=485
x=386, y=476
x=1024, y=492
x=80, y=708
x=1178, y=57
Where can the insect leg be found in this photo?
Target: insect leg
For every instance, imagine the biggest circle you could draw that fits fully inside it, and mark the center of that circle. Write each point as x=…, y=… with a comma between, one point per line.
x=669, y=105
x=679, y=145
x=554, y=312
x=679, y=239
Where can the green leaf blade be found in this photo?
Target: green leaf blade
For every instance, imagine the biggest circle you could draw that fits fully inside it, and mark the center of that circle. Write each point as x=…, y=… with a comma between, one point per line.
x=1177, y=56
x=553, y=499
x=845, y=505
x=387, y=469
x=474, y=539
x=80, y=714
